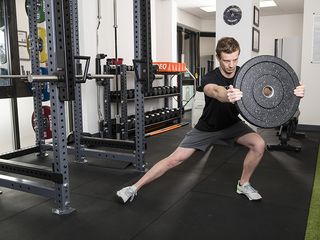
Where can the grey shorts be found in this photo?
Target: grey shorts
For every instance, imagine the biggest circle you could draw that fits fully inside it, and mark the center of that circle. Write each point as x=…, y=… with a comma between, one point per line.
x=201, y=140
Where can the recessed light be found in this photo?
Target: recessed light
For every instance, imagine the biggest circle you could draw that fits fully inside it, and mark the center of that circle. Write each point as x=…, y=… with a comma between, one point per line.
x=208, y=8
x=269, y=3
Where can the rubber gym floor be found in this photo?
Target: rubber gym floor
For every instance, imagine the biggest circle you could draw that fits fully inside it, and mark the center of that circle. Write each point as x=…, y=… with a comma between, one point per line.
x=196, y=200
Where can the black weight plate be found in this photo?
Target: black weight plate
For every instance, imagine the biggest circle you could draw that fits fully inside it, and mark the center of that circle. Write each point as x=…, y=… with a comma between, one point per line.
x=267, y=83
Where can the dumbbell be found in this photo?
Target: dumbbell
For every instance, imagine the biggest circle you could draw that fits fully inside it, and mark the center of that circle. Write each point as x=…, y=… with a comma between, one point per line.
x=147, y=120
x=172, y=113
x=177, y=112
x=112, y=96
x=167, y=111
x=152, y=117
x=163, y=115
x=130, y=93
x=155, y=91
x=168, y=91
x=175, y=89
x=116, y=95
x=159, y=90
x=131, y=123
x=157, y=117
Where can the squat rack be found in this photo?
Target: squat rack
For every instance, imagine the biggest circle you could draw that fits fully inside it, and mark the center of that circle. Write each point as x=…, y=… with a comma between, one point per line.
x=143, y=80
x=61, y=68
x=63, y=46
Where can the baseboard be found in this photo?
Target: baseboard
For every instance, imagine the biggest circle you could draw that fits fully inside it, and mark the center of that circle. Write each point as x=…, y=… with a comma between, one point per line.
x=308, y=128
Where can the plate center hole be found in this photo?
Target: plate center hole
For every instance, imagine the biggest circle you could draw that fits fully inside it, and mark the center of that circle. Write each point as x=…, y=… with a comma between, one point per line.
x=268, y=91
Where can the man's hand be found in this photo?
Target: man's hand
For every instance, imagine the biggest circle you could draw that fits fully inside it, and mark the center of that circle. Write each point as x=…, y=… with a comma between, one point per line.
x=299, y=91
x=234, y=94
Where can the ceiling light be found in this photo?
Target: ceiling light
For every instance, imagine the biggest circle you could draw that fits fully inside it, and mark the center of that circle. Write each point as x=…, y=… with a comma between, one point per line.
x=208, y=8
x=267, y=4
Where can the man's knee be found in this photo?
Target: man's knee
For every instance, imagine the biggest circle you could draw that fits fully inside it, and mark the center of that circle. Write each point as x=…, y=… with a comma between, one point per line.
x=259, y=145
x=174, y=161
x=177, y=158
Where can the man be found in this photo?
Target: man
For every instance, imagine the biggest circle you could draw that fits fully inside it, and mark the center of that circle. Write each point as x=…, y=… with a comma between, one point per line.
x=218, y=124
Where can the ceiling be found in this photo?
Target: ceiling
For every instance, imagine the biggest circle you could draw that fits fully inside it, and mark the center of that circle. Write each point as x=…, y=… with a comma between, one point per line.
x=284, y=7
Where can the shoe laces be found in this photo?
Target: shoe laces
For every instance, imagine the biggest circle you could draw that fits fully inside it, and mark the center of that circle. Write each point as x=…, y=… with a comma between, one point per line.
x=249, y=188
x=131, y=193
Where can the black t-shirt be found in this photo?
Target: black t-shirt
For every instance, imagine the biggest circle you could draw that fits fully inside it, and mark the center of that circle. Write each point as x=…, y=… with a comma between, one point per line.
x=217, y=115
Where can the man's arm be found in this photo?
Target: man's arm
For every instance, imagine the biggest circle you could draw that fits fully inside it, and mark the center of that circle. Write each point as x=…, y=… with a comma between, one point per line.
x=221, y=94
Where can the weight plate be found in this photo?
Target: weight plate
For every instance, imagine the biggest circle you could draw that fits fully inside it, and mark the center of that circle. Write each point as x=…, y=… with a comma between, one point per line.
x=40, y=10
x=42, y=45
x=267, y=83
x=43, y=54
x=47, y=122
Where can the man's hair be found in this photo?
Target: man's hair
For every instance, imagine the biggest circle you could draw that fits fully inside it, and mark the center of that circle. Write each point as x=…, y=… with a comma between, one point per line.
x=227, y=45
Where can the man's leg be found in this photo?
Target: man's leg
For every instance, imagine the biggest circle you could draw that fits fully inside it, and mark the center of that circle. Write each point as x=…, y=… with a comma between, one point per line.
x=176, y=158
x=256, y=146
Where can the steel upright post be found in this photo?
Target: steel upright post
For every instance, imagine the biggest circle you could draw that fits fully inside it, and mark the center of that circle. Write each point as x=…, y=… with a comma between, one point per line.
x=142, y=54
x=61, y=62
x=124, y=102
x=78, y=123
x=35, y=67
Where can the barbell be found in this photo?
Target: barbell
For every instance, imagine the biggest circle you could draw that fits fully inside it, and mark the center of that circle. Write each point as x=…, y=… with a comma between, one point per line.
x=268, y=84
x=54, y=78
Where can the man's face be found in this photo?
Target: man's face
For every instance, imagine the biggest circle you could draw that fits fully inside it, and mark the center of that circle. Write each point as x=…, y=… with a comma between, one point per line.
x=228, y=62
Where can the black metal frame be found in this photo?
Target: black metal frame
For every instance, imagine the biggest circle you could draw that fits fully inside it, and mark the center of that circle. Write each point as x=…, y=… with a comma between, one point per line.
x=62, y=42
x=143, y=80
x=59, y=20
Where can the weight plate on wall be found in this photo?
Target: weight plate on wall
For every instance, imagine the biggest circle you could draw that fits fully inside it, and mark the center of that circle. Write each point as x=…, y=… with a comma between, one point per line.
x=47, y=122
x=267, y=83
x=42, y=45
x=40, y=10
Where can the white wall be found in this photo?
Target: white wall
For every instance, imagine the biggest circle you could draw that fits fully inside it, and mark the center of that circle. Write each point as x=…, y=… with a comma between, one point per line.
x=208, y=25
x=88, y=47
x=309, y=72
x=192, y=22
x=25, y=105
x=164, y=45
x=207, y=46
x=242, y=31
x=166, y=31
x=279, y=26
x=6, y=139
x=188, y=20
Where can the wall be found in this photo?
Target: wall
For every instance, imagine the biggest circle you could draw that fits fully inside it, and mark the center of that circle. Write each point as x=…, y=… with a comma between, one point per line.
x=208, y=25
x=279, y=26
x=309, y=72
x=163, y=32
x=188, y=20
x=6, y=139
x=25, y=105
x=166, y=31
x=88, y=47
x=242, y=31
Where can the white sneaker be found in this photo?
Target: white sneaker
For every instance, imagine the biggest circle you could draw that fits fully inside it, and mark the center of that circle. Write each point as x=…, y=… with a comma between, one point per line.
x=249, y=191
x=127, y=193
